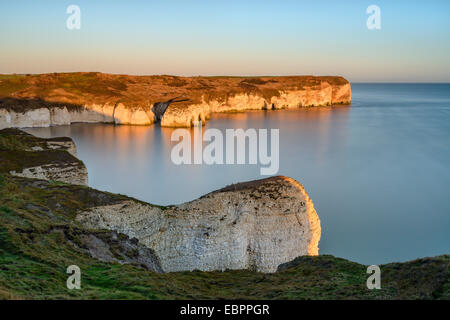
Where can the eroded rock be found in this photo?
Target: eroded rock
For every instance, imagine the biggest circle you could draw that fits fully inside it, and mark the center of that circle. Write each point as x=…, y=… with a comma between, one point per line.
x=25, y=155
x=72, y=172
x=142, y=100
x=110, y=246
x=255, y=225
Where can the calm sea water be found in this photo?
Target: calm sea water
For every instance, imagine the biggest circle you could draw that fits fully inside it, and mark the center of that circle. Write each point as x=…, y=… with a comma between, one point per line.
x=378, y=171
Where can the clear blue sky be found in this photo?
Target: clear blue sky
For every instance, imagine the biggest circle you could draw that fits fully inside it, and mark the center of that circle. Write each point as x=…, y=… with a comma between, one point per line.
x=229, y=37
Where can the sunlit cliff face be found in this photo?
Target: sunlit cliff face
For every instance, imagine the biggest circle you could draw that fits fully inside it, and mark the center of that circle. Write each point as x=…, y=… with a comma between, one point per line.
x=313, y=218
x=104, y=98
x=255, y=225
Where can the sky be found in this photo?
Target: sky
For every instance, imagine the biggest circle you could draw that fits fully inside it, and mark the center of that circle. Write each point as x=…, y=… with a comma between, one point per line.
x=230, y=37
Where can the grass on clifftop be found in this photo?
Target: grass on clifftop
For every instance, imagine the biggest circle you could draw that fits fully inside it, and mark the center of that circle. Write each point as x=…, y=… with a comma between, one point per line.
x=73, y=90
x=16, y=152
x=39, y=239
x=33, y=261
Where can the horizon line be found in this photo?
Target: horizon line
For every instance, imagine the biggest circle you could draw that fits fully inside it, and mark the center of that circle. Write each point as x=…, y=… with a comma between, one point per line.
x=237, y=76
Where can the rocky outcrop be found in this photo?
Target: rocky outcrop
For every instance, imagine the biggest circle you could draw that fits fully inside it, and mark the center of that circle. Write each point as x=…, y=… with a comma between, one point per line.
x=24, y=155
x=256, y=225
x=72, y=172
x=323, y=94
x=60, y=143
x=62, y=99
x=39, y=237
x=110, y=246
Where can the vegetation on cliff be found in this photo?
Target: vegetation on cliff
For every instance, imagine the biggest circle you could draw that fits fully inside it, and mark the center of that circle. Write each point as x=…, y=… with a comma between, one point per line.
x=34, y=258
x=40, y=238
x=25, y=92
x=33, y=157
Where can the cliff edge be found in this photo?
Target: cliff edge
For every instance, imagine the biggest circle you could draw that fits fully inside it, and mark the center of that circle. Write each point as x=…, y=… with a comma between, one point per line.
x=64, y=98
x=25, y=155
x=44, y=228
x=255, y=225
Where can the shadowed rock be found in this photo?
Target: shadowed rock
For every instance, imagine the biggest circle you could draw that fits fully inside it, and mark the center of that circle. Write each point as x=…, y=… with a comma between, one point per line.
x=159, y=108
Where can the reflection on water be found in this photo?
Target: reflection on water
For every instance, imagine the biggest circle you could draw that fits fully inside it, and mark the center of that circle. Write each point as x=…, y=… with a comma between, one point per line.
x=377, y=171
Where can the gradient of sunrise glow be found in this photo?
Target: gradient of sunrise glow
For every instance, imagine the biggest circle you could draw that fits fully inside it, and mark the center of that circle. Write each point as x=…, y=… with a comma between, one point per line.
x=230, y=37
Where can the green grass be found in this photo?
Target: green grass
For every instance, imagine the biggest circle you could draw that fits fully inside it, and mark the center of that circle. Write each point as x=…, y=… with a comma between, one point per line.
x=40, y=238
x=33, y=262
x=16, y=140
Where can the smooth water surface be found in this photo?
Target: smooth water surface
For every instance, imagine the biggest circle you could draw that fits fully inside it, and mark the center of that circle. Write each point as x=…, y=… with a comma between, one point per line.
x=378, y=171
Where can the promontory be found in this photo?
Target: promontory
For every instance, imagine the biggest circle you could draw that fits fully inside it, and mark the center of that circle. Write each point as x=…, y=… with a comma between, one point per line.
x=64, y=98
x=125, y=248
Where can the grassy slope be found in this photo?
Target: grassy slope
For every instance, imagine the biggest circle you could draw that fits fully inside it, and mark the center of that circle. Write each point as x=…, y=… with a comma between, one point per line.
x=34, y=256
x=33, y=261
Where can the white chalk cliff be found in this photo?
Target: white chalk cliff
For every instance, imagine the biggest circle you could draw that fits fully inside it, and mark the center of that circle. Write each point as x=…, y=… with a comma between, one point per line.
x=47, y=159
x=57, y=99
x=255, y=225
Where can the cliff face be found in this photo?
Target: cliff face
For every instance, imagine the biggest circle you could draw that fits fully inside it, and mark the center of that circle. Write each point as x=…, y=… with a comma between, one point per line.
x=318, y=94
x=51, y=116
x=57, y=99
x=39, y=235
x=24, y=155
x=255, y=226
